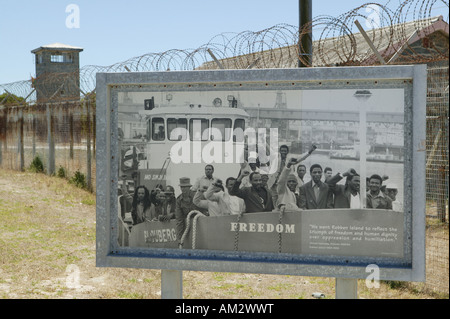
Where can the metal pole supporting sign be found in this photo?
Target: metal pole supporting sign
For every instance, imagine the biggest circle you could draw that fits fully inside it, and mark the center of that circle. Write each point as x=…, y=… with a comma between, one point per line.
x=346, y=288
x=171, y=284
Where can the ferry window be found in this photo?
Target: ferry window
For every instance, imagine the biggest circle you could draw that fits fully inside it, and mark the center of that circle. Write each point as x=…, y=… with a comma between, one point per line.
x=158, y=131
x=198, y=129
x=176, y=129
x=238, y=130
x=223, y=126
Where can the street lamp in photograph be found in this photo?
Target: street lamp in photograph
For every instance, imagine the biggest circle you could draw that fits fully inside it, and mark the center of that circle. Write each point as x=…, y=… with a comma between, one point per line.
x=362, y=96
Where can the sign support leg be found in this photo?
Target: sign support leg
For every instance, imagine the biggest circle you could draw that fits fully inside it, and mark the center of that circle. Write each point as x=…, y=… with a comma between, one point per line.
x=346, y=288
x=171, y=284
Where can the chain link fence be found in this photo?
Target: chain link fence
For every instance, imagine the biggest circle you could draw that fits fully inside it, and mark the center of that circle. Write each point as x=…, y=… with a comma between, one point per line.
x=60, y=135
x=437, y=241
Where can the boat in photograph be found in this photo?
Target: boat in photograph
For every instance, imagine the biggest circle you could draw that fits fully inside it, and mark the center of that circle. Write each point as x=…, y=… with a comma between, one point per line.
x=173, y=143
x=340, y=232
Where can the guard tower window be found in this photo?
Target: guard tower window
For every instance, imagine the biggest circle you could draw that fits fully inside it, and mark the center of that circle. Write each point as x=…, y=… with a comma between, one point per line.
x=176, y=129
x=61, y=58
x=158, y=130
x=56, y=58
x=38, y=58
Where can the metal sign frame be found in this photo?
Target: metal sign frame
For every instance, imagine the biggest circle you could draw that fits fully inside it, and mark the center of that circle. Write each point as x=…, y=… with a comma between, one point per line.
x=411, y=79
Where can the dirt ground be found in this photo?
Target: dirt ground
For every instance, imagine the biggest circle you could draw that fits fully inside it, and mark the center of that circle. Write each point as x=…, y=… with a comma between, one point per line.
x=47, y=250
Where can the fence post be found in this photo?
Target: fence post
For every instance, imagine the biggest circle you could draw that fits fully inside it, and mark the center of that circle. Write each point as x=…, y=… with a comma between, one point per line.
x=50, y=141
x=441, y=175
x=346, y=288
x=94, y=121
x=5, y=144
x=88, y=145
x=2, y=131
x=171, y=284
x=21, y=147
x=71, y=132
x=34, y=128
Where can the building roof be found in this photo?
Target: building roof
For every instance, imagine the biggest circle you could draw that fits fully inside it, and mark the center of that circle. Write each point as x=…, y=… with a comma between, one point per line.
x=348, y=49
x=57, y=46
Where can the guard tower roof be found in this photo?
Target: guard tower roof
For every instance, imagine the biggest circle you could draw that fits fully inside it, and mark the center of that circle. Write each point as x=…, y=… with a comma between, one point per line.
x=57, y=46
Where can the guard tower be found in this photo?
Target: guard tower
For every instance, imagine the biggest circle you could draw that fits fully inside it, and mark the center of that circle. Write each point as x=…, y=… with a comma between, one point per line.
x=57, y=73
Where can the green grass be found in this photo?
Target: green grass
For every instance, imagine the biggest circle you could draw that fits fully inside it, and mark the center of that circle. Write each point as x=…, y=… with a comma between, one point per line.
x=34, y=233
x=88, y=201
x=130, y=295
x=280, y=287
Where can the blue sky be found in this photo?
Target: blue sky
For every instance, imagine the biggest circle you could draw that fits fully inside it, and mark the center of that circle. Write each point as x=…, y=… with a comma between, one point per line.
x=114, y=31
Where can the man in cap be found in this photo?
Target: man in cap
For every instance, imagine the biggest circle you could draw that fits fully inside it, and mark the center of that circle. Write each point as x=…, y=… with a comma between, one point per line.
x=171, y=200
x=184, y=205
x=392, y=191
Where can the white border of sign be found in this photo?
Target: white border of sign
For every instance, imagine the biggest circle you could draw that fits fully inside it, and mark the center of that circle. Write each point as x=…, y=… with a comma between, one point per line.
x=411, y=78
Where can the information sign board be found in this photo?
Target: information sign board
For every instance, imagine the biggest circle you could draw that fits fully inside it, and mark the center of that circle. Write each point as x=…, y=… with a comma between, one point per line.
x=228, y=170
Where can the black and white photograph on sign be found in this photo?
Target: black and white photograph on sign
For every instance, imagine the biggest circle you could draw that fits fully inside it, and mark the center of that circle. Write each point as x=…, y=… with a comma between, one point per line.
x=317, y=172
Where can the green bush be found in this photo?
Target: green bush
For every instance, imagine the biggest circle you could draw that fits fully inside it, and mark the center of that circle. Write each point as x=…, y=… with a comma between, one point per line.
x=79, y=180
x=394, y=284
x=36, y=165
x=61, y=172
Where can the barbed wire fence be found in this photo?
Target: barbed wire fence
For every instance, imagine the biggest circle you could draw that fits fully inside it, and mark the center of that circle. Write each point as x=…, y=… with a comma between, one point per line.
x=61, y=129
x=339, y=43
